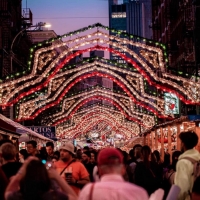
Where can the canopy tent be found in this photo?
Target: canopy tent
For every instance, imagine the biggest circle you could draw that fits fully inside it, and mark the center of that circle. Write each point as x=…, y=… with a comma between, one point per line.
x=14, y=127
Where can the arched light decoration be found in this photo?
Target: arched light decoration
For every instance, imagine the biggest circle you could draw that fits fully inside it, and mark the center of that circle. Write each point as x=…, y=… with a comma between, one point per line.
x=84, y=120
x=124, y=102
x=49, y=69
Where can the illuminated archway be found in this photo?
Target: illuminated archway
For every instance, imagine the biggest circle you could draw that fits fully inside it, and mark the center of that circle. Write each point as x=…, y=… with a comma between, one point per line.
x=50, y=75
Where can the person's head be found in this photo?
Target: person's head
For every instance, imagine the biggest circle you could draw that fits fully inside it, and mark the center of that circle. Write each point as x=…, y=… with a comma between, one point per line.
x=31, y=147
x=110, y=161
x=86, y=148
x=189, y=140
x=8, y=152
x=49, y=148
x=146, y=153
x=23, y=154
x=137, y=151
x=175, y=156
x=86, y=156
x=36, y=181
x=56, y=154
x=131, y=154
x=42, y=154
x=54, y=159
x=157, y=155
x=93, y=156
x=66, y=152
x=79, y=154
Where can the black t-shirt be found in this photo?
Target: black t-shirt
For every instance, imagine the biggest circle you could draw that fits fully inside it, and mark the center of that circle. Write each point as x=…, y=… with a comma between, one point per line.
x=11, y=168
x=90, y=167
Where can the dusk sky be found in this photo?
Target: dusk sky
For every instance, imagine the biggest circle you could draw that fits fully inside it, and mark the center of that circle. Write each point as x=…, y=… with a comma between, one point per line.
x=68, y=15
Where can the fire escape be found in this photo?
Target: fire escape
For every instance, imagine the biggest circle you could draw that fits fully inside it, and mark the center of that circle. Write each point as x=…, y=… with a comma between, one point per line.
x=11, y=22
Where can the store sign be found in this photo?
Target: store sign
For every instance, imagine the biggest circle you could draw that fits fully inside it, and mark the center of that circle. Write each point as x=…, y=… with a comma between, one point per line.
x=171, y=104
x=47, y=131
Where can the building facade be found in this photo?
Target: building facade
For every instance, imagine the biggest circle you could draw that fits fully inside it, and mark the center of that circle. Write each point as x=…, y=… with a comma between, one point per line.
x=177, y=24
x=13, y=19
x=130, y=16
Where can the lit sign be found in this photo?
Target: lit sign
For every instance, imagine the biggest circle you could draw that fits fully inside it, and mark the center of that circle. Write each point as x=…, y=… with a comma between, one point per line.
x=171, y=104
x=47, y=131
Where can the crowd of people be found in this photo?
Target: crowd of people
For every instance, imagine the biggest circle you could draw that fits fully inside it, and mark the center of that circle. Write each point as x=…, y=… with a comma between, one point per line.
x=90, y=174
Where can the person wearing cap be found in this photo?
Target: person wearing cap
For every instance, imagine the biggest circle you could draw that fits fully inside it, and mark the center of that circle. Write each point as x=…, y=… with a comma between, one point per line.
x=68, y=165
x=112, y=185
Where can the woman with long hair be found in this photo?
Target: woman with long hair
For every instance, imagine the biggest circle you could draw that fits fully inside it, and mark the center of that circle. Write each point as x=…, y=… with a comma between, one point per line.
x=146, y=172
x=34, y=182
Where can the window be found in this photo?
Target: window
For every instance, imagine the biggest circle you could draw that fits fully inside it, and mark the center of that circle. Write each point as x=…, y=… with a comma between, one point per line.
x=119, y=15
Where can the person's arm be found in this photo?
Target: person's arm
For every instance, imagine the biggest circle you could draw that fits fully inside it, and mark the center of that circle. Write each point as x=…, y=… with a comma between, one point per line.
x=13, y=186
x=83, y=181
x=66, y=189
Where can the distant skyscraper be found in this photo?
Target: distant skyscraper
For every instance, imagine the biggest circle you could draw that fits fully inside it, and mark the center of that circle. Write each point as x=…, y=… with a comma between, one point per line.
x=132, y=16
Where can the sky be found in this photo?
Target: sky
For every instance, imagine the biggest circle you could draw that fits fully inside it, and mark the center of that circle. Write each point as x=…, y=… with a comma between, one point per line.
x=68, y=15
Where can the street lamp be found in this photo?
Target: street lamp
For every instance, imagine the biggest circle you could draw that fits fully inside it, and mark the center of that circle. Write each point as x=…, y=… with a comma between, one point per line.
x=38, y=25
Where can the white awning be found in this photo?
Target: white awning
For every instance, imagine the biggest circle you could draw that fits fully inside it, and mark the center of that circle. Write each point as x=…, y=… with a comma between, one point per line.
x=20, y=129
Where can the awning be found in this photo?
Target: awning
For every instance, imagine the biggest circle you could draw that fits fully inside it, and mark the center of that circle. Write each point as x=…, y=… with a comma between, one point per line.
x=11, y=126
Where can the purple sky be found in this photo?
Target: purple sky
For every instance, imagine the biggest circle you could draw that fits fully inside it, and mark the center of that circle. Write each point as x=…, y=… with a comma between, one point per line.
x=68, y=15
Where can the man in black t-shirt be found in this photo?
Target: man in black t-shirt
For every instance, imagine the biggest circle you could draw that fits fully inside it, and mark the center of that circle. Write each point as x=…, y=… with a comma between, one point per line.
x=86, y=156
x=10, y=166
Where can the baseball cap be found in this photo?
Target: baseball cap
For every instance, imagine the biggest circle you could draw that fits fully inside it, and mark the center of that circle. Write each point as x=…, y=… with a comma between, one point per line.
x=109, y=156
x=68, y=146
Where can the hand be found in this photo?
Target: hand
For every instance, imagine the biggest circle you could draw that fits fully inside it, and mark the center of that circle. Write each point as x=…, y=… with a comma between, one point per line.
x=70, y=180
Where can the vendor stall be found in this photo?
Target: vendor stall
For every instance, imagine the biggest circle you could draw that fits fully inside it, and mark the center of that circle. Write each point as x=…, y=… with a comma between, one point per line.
x=14, y=130
x=165, y=137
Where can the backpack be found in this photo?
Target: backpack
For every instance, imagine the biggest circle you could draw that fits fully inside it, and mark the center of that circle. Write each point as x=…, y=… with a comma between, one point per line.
x=196, y=165
x=166, y=185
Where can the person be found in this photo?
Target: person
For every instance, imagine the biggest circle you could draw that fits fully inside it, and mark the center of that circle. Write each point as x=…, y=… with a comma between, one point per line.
x=3, y=183
x=185, y=169
x=86, y=148
x=135, y=154
x=33, y=181
x=168, y=178
x=23, y=155
x=146, y=172
x=86, y=157
x=1, y=143
x=10, y=166
x=112, y=185
x=79, y=155
x=50, y=150
x=32, y=148
x=54, y=159
x=71, y=170
x=56, y=154
x=93, y=157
